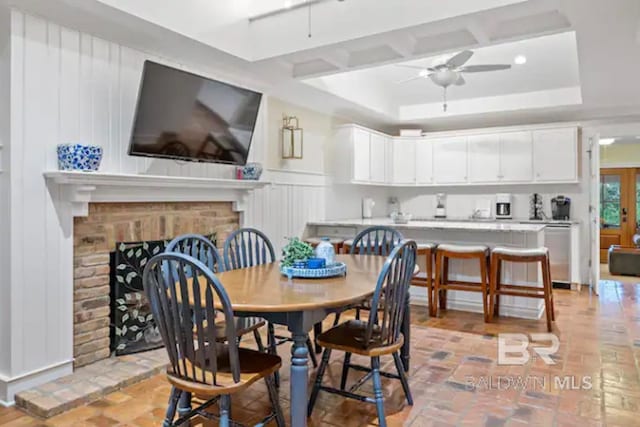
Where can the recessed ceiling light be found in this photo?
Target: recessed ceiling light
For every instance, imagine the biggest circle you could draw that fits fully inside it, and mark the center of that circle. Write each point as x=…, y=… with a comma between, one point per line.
x=607, y=141
x=520, y=59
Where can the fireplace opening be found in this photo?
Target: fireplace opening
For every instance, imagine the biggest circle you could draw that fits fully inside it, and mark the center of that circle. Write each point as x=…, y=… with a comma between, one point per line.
x=111, y=246
x=133, y=328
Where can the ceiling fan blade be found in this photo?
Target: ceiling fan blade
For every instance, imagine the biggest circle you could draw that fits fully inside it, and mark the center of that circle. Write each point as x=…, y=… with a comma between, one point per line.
x=409, y=80
x=459, y=59
x=413, y=67
x=461, y=81
x=483, y=68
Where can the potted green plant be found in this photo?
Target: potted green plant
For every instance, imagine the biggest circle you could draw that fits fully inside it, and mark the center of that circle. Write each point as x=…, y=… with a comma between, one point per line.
x=296, y=253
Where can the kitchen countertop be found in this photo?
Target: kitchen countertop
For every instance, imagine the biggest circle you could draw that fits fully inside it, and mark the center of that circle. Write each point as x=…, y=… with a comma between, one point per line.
x=477, y=225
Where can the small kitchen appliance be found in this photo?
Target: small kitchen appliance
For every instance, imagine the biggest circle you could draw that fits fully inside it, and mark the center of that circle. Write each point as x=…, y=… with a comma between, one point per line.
x=536, y=209
x=394, y=206
x=482, y=209
x=441, y=205
x=503, y=206
x=367, y=207
x=561, y=208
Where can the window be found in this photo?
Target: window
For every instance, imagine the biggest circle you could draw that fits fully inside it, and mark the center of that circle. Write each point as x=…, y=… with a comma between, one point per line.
x=610, y=201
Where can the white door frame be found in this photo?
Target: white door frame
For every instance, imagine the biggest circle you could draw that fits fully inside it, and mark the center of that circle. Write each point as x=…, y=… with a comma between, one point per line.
x=594, y=212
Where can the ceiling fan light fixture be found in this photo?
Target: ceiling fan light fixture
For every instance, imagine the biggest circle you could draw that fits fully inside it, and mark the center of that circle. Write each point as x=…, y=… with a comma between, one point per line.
x=424, y=73
x=520, y=60
x=444, y=78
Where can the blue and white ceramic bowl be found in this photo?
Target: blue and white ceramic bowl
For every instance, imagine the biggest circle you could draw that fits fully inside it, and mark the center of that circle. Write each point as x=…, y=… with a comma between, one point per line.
x=251, y=171
x=79, y=157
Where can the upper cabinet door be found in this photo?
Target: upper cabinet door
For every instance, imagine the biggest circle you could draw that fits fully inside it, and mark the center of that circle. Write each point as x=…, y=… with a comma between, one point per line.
x=484, y=158
x=388, y=163
x=361, y=155
x=555, y=155
x=450, y=160
x=424, y=161
x=516, y=157
x=378, y=160
x=404, y=161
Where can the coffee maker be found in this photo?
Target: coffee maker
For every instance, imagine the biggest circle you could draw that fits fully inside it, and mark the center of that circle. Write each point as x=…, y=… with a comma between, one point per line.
x=561, y=208
x=503, y=206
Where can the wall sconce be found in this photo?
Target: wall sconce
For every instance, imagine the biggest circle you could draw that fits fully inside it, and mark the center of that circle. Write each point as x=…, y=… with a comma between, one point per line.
x=291, y=138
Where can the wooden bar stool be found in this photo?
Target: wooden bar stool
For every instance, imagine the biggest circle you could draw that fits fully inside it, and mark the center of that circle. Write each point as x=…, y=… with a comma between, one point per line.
x=424, y=279
x=442, y=282
x=346, y=246
x=541, y=255
x=335, y=241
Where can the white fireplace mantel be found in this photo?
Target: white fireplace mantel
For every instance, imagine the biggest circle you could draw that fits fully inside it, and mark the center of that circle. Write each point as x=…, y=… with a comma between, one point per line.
x=81, y=188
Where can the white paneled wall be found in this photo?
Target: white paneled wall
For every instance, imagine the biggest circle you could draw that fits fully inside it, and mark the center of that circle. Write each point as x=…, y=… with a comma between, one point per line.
x=5, y=290
x=283, y=209
x=72, y=87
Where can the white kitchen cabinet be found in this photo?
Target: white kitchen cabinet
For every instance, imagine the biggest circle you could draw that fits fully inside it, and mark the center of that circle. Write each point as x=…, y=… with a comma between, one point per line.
x=555, y=155
x=361, y=155
x=424, y=162
x=484, y=158
x=450, y=160
x=377, y=163
x=522, y=156
x=388, y=153
x=404, y=164
x=516, y=157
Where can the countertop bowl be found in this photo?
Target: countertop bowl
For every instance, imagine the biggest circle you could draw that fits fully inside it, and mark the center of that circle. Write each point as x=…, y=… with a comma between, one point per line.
x=401, y=218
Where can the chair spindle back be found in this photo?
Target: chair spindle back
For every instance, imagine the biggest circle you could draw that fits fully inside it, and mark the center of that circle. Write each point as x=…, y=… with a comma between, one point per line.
x=198, y=247
x=390, y=297
x=378, y=240
x=169, y=280
x=247, y=247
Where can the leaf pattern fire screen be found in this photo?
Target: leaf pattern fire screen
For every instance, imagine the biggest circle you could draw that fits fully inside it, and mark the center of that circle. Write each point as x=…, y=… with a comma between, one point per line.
x=133, y=328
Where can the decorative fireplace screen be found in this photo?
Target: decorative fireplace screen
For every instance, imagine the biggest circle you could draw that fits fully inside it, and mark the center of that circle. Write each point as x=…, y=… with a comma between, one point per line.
x=133, y=328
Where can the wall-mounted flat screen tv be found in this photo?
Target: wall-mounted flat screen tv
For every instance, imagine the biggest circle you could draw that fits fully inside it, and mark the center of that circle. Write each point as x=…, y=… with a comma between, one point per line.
x=184, y=116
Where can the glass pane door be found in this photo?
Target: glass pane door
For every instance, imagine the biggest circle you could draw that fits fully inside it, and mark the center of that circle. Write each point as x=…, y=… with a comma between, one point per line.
x=610, y=201
x=638, y=200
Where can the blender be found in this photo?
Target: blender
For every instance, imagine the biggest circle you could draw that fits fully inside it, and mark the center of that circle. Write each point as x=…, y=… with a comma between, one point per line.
x=441, y=208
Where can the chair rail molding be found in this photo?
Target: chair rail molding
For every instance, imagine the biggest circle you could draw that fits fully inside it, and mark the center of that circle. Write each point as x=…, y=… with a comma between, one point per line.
x=81, y=188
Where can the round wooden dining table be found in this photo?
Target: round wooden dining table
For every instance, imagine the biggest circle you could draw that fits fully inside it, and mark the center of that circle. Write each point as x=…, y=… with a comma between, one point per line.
x=262, y=291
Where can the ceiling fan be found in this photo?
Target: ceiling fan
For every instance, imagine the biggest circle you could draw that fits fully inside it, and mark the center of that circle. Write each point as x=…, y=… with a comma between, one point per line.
x=450, y=72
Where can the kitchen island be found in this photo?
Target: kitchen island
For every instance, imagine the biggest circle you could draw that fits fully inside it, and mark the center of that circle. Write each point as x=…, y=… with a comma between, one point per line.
x=490, y=233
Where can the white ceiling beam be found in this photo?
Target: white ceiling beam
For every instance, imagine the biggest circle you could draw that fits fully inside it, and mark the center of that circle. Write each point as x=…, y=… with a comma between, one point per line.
x=337, y=57
x=480, y=32
x=402, y=43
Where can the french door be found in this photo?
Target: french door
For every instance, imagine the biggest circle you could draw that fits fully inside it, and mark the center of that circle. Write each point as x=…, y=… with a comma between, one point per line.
x=619, y=207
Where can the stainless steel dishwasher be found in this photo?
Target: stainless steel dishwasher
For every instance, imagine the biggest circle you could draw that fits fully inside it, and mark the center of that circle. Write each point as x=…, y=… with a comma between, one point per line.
x=557, y=238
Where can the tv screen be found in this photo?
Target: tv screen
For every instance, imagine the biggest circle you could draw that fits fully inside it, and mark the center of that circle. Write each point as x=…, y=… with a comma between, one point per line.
x=188, y=117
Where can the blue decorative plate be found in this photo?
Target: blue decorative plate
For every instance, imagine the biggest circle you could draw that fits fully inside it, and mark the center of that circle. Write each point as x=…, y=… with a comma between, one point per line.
x=337, y=269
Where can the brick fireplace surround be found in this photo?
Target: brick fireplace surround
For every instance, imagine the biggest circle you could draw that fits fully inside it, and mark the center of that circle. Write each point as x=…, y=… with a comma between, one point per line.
x=95, y=236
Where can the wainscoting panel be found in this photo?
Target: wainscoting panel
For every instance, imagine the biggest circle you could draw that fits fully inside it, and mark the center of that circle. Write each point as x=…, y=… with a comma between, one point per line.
x=282, y=209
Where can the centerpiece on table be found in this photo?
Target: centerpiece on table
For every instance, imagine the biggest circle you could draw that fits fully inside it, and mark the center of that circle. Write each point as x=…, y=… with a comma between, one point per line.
x=298, y=260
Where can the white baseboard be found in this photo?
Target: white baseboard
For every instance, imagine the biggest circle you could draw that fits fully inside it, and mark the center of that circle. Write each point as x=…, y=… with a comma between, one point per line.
x=10, y=386
x=419, y=297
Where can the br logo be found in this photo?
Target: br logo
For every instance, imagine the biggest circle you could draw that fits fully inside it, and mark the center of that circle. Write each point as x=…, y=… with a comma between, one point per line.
x=513, y=349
